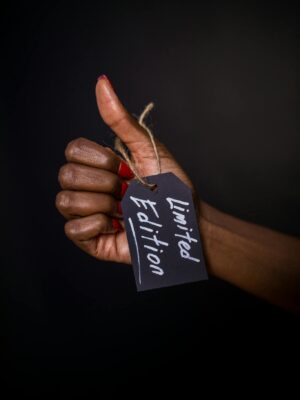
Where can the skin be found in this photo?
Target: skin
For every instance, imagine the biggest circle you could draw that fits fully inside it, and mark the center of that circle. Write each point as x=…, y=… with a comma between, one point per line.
x=258, y=260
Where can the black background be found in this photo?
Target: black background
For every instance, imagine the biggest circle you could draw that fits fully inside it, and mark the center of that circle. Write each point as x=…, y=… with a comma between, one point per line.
x=225, y=82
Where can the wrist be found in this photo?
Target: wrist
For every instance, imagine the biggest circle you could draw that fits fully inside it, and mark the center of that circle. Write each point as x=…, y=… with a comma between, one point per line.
x=204, y=228
x=215, y=237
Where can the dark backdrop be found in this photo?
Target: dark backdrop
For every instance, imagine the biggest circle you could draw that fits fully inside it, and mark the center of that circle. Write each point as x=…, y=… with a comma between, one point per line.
x=225, y=81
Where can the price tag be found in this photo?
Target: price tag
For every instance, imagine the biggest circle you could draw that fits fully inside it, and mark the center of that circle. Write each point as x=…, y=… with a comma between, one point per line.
x=163, y=233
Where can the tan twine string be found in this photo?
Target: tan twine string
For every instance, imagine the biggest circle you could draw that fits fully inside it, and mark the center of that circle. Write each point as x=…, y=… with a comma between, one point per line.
x=120, y=147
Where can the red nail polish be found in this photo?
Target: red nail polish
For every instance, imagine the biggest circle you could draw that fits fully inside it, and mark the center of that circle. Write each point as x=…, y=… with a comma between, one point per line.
x=103, y=76
x=124, y=187
x=119, y=208
x=116, y=225
x=124, y=171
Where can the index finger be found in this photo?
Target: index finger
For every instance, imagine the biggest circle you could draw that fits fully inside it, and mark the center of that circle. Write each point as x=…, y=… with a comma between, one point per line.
x=87, y=152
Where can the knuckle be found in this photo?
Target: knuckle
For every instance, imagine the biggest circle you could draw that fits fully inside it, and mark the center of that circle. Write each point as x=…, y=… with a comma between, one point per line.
x=66, y=175
x=107, y=160
x=101, y=223
x=63, y=201
x=116, y=122
x=73, y=147
x=71, y=229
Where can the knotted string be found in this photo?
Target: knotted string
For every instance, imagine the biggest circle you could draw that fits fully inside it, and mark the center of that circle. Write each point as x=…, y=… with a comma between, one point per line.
x=120, y=147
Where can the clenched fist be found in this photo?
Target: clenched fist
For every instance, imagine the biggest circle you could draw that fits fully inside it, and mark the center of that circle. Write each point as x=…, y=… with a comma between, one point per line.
x=95, y=179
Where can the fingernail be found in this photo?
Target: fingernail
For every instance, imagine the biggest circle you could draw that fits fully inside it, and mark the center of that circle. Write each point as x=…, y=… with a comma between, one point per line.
x=103, y=76
x=125, y=171
x=119, y=208
x=124, y=187
x=116, y=225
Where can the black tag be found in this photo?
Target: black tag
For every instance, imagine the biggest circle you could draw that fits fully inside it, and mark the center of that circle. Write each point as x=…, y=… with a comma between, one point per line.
x=163, y=234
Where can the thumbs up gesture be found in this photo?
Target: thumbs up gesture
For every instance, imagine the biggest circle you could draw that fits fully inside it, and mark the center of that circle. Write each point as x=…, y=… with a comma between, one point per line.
x=95, y=179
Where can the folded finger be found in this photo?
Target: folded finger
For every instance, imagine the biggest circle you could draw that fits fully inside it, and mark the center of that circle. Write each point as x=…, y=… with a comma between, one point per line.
x=87, y=152
x=76, y=203
x=86, y=228
x=81, y=177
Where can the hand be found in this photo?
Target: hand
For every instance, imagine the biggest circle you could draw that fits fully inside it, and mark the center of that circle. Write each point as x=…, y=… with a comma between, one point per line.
x=95, y=178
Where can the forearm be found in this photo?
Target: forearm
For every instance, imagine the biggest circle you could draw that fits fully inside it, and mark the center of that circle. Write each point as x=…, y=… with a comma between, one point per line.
x=261, y=261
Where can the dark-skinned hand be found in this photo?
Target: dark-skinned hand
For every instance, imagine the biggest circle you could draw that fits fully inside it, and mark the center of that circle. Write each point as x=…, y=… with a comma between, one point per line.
x=95, y=178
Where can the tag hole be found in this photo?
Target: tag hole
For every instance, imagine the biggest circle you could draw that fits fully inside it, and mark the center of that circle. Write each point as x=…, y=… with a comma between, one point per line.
x=154, y=188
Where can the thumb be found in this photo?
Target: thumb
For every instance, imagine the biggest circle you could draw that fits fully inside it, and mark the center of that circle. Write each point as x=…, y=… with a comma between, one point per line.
x=115, y=115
